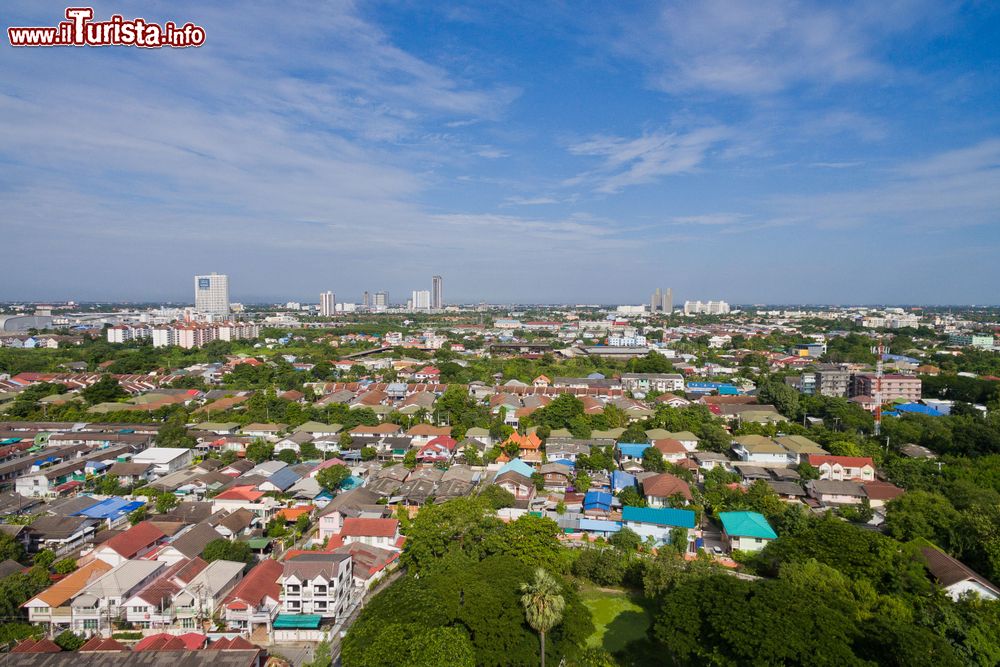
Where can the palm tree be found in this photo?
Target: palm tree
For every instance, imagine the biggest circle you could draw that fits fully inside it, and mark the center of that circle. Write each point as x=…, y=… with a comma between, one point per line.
x=543, y=605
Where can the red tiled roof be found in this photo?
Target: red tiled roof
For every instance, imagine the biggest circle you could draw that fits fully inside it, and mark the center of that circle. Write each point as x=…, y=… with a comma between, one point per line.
x=370, y=527
x=669, y=446
x=140, y=536
x=665, y=485
x=846, y=461
x=234, y=644
x=260, y=582
x=40, y=646
x=191, y=641
x=101, y=644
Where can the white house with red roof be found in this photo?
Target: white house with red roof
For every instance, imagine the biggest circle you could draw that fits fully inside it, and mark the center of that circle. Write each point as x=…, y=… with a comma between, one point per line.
x=137, y=541
x=840, y=468
x=383, y=533
x=439, y=450
x=256, y=600
x=427, y=374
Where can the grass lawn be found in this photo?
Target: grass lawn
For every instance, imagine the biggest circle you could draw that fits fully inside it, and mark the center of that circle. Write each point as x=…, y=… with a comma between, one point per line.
x=618, y=618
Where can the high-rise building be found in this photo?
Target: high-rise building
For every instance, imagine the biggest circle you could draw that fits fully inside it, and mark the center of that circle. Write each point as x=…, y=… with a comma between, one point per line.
x=366, y=299
x=380, y=300
x=706, y=308
x=437, y=293
x=327, y=304
x=211, y=294
x=420, y=300
x=662, y=301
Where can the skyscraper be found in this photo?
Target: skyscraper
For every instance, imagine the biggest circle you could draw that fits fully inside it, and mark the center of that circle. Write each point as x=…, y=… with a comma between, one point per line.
x=327, y=304
x=366, y=299
x=381, y=300
x=437, y=293
x=662, y=301
x=211, y=294
x=420, y=300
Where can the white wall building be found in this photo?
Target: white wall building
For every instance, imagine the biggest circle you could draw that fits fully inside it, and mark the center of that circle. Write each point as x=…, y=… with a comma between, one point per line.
x=211, y=294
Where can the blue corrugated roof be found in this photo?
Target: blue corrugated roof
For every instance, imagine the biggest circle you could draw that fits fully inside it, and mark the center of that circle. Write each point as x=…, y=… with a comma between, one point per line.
x=916, y=408
x=564, y=462
x=284, y=478
x=111, y=508
x=597, y=499
x=599, y=525
x=661, y=516
x=633, y=449
x=621, y=480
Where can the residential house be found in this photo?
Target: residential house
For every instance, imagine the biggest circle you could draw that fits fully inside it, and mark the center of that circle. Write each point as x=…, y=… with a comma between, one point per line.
x=521, y=486
x=664, y=489
x=152, y=605
x=200, y=598
x=100, y=602
x=51, y=606
x=438, y=450
x=746, y=531
x=61, y=534
x=351, y=503
x=860, y=468
x=266, y=431
x=132, y=474
x=956, y=578
x=189, y=544
x=879, y=493
x=673, y=450
x=836, y=492
x=135, y=542
x=657, y=522
x=760, y=450
x=800, y=448
x=566, y=450
x=256, y=600
x=317, y=583
x=383, y=533
x=164, y=460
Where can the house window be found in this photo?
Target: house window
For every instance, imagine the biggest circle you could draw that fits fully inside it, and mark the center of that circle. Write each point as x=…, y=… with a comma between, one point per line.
x=320, y=605
x=187, y=623
x=293, y=605
x=292, y=589
x=90, y=624
x=320, y=589
x=757, y=540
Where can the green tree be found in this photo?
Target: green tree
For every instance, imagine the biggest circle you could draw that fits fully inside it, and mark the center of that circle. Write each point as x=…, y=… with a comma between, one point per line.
x=543, y=605
x=630, y=497
x=331, y=478
x=11, y=549
x=223, y=549
x=175, y=434
x=368, y=453
x=626, y=540
x=105, y=390
x=259, y=450
x=64, y=566
x=923, y=514
x=652, y=460
x=68, y=640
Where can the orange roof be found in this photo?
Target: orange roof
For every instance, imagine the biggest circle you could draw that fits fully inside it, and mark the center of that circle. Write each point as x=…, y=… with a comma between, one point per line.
x=293, y=513
x=528, y=441
x=428, y=429
x=669, y=446
x=61, y=591
x=101, y=644
x=241, y=493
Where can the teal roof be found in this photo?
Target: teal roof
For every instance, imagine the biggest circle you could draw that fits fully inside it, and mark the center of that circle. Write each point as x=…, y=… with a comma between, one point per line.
x=661, y=516
x=308, y=621
x=518, y=466
x=747, y=524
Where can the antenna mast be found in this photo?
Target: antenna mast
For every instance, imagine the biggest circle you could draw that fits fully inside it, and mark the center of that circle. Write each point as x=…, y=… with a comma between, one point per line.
x=879, y=351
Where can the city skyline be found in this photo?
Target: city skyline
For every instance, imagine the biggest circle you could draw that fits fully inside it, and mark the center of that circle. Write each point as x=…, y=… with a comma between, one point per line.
x=805, y=152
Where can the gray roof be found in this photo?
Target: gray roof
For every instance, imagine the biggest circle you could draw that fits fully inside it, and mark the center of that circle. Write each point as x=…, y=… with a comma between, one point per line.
x=194, y=541
x=244, y=658
x=309, y=566
x=786, y=488
x=284, y=478
x=837, y=487
x=354, y=498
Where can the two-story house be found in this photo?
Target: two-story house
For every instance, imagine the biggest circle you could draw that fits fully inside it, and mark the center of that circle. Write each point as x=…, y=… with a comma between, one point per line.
x=840, y=468
x=256, y=600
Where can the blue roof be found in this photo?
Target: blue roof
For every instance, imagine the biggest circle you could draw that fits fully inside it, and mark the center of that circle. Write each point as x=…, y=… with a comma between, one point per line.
x=916, y=408
x=747, y=524
x=597, y=498
x=308, y=621
x=284, y=478
x=564, y=462
x=633, y=449
x=661, y=516
x=621, y=480
x=600, y=525
x=111, y=508
x=518, y=466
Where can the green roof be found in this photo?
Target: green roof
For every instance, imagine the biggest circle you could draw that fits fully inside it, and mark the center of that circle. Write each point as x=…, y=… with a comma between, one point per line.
x=307, y=621
x=746, y=524
x=258, y=542
x=317, y=427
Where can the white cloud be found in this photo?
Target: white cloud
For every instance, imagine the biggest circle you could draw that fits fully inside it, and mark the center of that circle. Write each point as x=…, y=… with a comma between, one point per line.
x=628, y=162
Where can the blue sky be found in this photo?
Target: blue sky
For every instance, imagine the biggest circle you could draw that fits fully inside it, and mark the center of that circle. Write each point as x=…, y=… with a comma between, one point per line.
x=770, y=151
